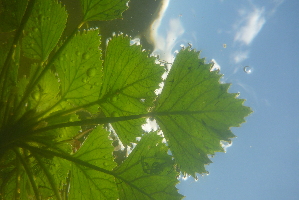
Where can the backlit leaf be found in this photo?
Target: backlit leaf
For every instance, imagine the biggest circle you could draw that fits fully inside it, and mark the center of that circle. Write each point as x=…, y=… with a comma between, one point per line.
x=130, y=79
x=88, y=183
x=80, y=69
x=103, y=9
x=195, y=112
x=43, y=29
x=148, y=172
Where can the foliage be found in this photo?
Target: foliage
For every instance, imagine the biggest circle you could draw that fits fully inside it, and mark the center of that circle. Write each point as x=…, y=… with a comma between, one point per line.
x=62, y=103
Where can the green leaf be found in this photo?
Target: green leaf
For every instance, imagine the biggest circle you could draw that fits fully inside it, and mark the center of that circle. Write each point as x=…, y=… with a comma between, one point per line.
x=148, y=172
x=103, y=9
x=130, y=79
x=45, y=95
x=11, y=13
x=79, y=69
x=43, y=29
x=88, y=183
x=195, y=111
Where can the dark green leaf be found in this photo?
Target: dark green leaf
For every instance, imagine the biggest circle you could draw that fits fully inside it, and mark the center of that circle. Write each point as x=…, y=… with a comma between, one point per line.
x=103, y=9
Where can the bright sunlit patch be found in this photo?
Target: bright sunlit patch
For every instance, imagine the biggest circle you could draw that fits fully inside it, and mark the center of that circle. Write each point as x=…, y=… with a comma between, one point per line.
x=226, y=144
x=216, y=66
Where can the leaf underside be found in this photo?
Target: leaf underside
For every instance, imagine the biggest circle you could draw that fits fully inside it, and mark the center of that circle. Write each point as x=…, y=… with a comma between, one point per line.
x=195, y=112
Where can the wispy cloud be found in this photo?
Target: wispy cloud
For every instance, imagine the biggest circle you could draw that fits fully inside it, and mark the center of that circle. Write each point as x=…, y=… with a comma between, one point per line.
x=239, y=56
x=164, y=44
x=249, y=25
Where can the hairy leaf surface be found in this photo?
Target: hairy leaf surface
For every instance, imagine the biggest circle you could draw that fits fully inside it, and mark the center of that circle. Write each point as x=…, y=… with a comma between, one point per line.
x=130, y=79
x=195, y=112
x=103, y=9
x=43, y=29
x=150, y=172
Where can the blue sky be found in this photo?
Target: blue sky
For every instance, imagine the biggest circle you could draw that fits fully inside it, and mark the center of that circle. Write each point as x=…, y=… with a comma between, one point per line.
x=263, y=161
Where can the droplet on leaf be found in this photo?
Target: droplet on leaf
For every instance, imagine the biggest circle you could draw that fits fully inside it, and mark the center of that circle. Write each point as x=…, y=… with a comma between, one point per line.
x=91, y=72
x=85, y=56
x=35, y=95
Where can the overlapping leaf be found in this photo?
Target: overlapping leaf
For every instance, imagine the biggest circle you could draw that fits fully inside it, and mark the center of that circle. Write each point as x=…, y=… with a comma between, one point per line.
x=103, y=9
x=195, y=112
x=43, y=29
x=130, y=79
x=79, y=69
x=88, y=183
x=148, y=172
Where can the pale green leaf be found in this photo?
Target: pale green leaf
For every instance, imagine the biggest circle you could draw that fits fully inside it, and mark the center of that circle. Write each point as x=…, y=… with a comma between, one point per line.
x=88, y=183
x=148, y=172
x=130, y=79
x=45, y=94
x=103, y=9
x=195, y=111
x=43, y=29
x=79, y=69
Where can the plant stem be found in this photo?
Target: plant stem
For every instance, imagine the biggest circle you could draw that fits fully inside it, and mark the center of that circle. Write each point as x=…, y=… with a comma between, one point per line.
x=83, y=163
x=49, y=177
x=33, y=83
x=28, y=172
x=5, y=69
x=94, y=121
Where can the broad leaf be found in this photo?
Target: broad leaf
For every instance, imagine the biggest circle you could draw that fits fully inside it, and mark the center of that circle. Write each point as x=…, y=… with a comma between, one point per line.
x=80, y=69
x=43, y=29
x=103, y=9
x=130, y=79
x=195, y=112
x=148, y=172
x=88, y=183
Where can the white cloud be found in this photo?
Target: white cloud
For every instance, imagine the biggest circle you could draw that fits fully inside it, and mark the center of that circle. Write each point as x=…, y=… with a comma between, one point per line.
x=250, y=25
x=164, y=44
x=240, y=56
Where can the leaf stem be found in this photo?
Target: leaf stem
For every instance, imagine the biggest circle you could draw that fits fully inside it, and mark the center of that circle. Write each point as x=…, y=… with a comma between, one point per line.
x=28, y=172
x=83, y=163
x=33, y=83
x=49, y=176
x=5, y=69
x=94, y=121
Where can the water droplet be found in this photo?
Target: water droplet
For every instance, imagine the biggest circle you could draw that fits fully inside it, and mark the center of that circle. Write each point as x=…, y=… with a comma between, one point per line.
x=61, y=58
x=105, y=164
x=91, y=72
x=78, y=53
x=35, y=95
x=114, y=99
x=85, y=56
x=84, y=80
x=247, y=69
